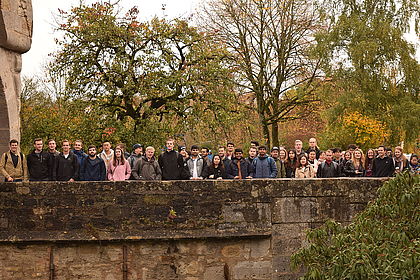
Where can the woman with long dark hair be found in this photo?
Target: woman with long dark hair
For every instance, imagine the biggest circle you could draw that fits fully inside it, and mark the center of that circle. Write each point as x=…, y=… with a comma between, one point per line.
x=291, y=164
x=304, y=168
x=370, y=156
x=216, y=170
x=119, y=168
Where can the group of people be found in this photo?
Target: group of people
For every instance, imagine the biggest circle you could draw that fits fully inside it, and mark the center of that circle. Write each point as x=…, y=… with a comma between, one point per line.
x=228, y=163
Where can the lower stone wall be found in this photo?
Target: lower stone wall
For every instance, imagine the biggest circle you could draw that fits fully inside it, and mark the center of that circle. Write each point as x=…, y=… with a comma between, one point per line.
x=227, y=230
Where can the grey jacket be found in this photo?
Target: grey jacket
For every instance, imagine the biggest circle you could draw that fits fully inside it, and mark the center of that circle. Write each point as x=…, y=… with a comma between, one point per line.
x=145, y=169
x=201, y=166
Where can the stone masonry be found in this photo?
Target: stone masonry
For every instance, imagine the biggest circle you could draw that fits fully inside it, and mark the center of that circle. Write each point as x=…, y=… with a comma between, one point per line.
x=227, y=230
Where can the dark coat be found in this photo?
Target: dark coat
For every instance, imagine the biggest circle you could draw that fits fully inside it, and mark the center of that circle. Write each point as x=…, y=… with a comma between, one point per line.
x=66, y=168
x=326, y=170
x=173, y=166
x=216, y=172
x=247, y=169
x=383, y=167
x=93, y=170
x=40, y=166
x=145, y=169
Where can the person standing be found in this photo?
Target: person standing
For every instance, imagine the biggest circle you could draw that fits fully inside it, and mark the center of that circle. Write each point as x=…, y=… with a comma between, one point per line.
x=119, y=169
x=196, y=164
x=147, y=167
x=313, y=145
x=400, y=161
x=93, y=167
x=413, y=165
x=78, y=151
x=264, y=166
x=205, y=155
x=383, y=166
x=136, y=154
x=52, y=148
x=66, y=167
x=230, y=148
x=225, y=160
x=252, y=153
x=312, y=159
x=40, y=163
x=281, y=168
x=216, y=170
x=358, y=163
x=328, y=168
x=13, y=164
x=304, y=169
x=291, y=164
x=240, y=168
x=370, y=156
x=107, y=154
x=299, y=148
x=172, y=163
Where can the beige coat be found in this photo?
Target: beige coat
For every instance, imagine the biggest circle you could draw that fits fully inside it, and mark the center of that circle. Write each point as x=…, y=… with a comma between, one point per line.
x=305, y=172
x=7, y=169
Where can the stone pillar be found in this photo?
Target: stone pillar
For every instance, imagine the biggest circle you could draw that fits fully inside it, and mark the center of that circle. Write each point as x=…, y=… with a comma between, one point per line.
x=15, y=39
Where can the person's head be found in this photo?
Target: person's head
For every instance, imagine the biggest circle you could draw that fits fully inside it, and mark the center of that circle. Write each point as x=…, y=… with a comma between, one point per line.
x=282, y=154
x=321, y=156
x=358, y=155
x=216, y=160
x=336, y=153
x=65, y=146
x=221, y=152
x=255, y=144
x=381, y=151
x=328, y=155
x=370, y=154
x=138, y=149
x=195, y=150
x=230, y=147
x=311, y=155
x=13, y=145
x=78, y=144
x=118, y=156
x=52, y=145
x=347, y=155
x=312, y=143
x=92, y=151
x=239, y=153
x=303, y=161
x=183, y=151
x=351, y=147
x=38, y=145
x=150, y=152
x=106, y=146
x=398, y=152
x=252, y=153
x=262, y=151
x=275, y=152
x=298, y=145
x=170, y=143
x=414, y=160
x=291, y=155
x=204, y=152
x=388, y=152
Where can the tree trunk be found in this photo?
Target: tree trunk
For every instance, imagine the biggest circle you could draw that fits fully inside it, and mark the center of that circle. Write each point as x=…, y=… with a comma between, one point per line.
x=275, y=134
x=266, y=134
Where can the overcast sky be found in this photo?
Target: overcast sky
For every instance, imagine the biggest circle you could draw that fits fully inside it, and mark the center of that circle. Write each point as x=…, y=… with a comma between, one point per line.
x=45, y=10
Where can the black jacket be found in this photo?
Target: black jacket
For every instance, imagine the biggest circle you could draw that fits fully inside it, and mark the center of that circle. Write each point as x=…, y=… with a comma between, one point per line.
x=40, y=166
x=173, y=166
x=93, y=169
x=383, y=167
x=247, y=169
x=216, y=172
x=66, y=168
x=326, y=170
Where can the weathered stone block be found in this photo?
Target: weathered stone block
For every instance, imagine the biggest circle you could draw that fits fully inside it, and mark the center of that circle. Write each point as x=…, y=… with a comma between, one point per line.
x=252, y=270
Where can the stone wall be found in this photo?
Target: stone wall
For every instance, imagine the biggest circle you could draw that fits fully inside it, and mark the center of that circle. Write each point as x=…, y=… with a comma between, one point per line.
x=167, y=230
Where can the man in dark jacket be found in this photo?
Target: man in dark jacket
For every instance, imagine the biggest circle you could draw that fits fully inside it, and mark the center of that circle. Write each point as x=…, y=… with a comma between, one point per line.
x=172, y=164
x=226, y=162
x=240, y=168
x=196, y=164
x=147, y=168
x=264, y=166
x=40, y=163
x=66, y=165
x=383, y=166
x=329, y=168
x=93, y=167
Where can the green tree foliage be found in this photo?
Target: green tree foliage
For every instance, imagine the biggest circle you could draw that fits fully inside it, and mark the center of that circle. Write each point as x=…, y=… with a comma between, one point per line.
x=371, y=65
x=156, y=77
x=382, y=242
x=270, y=42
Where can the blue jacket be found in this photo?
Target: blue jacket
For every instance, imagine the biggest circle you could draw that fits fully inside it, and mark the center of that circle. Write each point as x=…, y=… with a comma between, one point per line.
x=93, y=170
x=80, y=155
x=264, y=167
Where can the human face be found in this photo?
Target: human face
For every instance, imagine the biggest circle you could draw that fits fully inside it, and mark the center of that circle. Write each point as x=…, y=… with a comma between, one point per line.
x=230, y=147
x=150, y=153
x=118, y=153
x=303, y=160
x=184, y=153
x=194, y=152
x=13, y=147
x=275, y=154
x=389, y=153
x=282, y=154
x=292, y=155
x=312, y=155
x=221, y=152
x=371, y=154
x=77, y=146
x=169, y=145
x=414, y=160
x=138, y=151
x=298, y=146
x=106, y=146
x=38, y=146
x=52, y=145
x=328, y=156
x=204, y=152
x=312, y=142
x=66, y=147
x=216, y=160
x=397, y=153
x=238, y=155
x=381, y=152
x=262, y=152
x=322, y=156
x=252, y=152
x=357, y=154
x=337, y=155
x=92, y=152
x=347, y=155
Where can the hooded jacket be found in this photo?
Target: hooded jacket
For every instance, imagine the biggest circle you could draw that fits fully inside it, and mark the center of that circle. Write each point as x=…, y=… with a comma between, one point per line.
x=145, y=169
x=93, y=170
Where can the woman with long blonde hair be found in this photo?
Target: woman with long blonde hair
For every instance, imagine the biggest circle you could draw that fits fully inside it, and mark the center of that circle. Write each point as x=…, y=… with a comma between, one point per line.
x=358, y=162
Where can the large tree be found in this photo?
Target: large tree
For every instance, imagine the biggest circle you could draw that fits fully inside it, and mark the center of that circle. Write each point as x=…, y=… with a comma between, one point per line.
x=158, y=74
x=271, y=42
x=372, y=65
